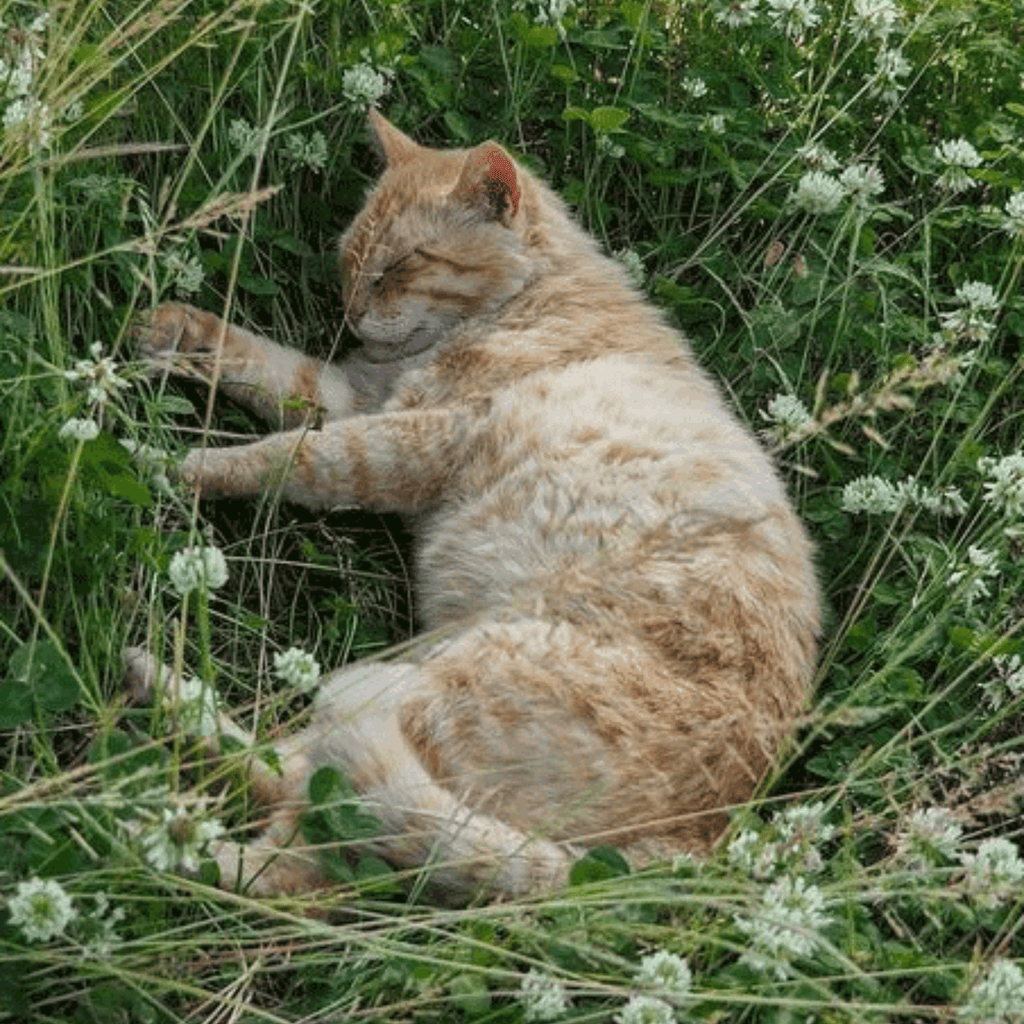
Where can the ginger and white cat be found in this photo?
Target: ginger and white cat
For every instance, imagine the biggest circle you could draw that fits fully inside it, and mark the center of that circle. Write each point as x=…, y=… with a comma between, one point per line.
x=627, y=601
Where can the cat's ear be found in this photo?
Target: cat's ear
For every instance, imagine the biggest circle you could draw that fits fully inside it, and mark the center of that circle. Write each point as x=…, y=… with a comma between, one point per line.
x=394, y=146
x=489, y=182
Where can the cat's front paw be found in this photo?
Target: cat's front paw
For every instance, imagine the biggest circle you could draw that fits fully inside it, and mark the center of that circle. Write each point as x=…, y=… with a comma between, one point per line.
x=175, y=338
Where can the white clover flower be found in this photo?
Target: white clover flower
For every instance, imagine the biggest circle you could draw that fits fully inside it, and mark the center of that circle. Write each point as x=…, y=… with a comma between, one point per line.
x=927, y=835
x=890, y=66
x=194, y=708
x=818, y=193
x=630, y=259
x=1005, y=487
x=31, y=119
x=100, y=939
x=794, y=17
x=695, y=87
x=646, y=1010
x=999, y=999
x=552, y=11
x=877, y=18
x=186, y=272
x=193, y=567
x=947, y=502
x=957, y=156
x=99, y=374
x=176, y=842
x=73, y=111
x=1014, y=221
x=542, y=996
x=787, y=411
x=994, y=873
x=362, y=86
x=665, y=972
x=311, y=152
x=862, y=182
x=715, y=124
x=981, y=565
x=243, y=136
x=818, y=157
x=297, y=668
x=80, y=430
x=609, y=147
x=804, y=823
x=977, y=295
x=41, y=908
x=1009, y=682
x=738, y=14
x=786, y=929
x=872, y=494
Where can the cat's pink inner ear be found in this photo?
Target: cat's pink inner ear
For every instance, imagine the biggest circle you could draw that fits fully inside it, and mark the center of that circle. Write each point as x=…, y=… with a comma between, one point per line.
x=395, y=146
x=489, y=181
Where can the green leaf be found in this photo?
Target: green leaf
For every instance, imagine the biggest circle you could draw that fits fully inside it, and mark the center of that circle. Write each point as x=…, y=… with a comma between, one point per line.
x=541, y=36
x=598, y=864
x=1016, y=108
x=607, y=119
x=574, y=114
x=174, y=405
x=632, y=12
x=36, y=674
x=469, y=993
x=564, y=73
x=109, y=466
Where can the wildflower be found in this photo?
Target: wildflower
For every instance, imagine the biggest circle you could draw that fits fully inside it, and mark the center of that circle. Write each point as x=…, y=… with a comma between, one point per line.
x=193, y=567
x=862, y=182
x=695, y=87
x=30, y=117
x=818, y=157
x=42, y=908
x=928, y=835
x=630, y=259
x=665, y=972
x=872, y=494
x=715, y=124
x=977, y=295
x=646, y=1010
x=994, y=872
x=999, y=999
x=194, y=707
x=794, y=17
x=1014, y=222
x=80, y=430
x=607, y=146
x=890, y=66
x=243, y=137
x=1009, y=682
x=98, y=928
x=1005, y=487
x=552, y=11
x=186, y=272
x=176, y=842
x=787, y=411
x=542, y=996
x=818, y=193
x=980, y=566
x=738, y=14
x=99, y=374
x=876, y=18
x=786, y=929
x=298, y=668
x=751, y=852
x=800, y=829
x=958, y=156
x=153, y=460
x=311, y=152
x=362, y=86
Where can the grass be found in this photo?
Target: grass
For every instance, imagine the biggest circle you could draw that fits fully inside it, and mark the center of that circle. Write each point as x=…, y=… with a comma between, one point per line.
x=877, y=876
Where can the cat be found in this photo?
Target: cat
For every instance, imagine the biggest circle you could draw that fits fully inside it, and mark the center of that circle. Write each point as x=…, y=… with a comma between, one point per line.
x=621, y=603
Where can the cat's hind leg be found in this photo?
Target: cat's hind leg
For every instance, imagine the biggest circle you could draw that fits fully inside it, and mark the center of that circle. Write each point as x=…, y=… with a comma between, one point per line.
x=281, y=385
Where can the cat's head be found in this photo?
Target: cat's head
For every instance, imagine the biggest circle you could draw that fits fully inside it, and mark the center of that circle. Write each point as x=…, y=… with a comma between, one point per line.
x=439, y=241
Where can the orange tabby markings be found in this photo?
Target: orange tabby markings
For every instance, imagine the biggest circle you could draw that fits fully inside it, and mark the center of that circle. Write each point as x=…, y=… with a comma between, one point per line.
x=622, y=600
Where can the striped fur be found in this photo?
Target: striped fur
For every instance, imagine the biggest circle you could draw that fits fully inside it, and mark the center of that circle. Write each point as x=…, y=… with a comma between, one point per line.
x=625, y=603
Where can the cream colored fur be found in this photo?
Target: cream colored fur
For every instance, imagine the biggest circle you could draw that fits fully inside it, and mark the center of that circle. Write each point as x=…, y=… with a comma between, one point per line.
x=625, y=599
